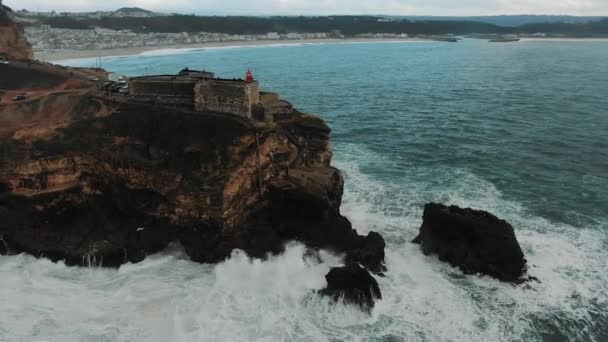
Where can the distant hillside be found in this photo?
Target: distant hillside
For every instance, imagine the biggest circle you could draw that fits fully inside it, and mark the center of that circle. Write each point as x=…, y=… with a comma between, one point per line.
x=133, y=10
x=511, y=20
x=128, y=12
x=143, y=21
x=348, y=25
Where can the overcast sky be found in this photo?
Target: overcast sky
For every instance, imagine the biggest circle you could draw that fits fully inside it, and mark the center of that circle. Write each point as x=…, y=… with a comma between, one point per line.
x=395, y=7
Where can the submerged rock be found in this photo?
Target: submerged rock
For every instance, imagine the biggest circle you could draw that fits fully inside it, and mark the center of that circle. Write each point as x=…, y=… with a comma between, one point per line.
x=354, y=285
x=474, y=240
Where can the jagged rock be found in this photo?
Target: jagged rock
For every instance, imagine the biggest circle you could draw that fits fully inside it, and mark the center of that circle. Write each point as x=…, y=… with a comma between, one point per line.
x=369, y=252
x=13, y=43
x=302, y=207
x=352, y=284
x=474, y=240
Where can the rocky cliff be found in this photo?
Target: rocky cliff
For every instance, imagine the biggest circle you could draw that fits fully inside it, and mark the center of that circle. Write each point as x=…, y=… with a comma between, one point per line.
x=115, y=182
x=13, y=43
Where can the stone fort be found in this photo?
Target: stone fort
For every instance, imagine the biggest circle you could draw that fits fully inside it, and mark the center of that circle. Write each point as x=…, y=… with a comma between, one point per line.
x=203, y=92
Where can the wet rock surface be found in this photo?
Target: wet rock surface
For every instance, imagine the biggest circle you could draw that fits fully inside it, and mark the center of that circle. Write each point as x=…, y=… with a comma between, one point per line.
x=352, y=284
x=369, y=252
x=474, y=240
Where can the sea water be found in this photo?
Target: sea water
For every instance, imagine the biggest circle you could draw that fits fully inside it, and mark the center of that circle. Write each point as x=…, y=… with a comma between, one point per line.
x=520, y=130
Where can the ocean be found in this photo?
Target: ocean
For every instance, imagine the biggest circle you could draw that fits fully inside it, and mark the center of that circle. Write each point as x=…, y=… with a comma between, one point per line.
x=520, y=130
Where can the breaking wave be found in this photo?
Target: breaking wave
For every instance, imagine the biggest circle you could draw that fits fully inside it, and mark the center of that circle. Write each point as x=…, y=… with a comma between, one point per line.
x=428, y=300
x=169, y=298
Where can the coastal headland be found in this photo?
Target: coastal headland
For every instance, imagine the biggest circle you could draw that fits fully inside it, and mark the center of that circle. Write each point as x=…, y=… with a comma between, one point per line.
x=90, y=176
x=83, y=177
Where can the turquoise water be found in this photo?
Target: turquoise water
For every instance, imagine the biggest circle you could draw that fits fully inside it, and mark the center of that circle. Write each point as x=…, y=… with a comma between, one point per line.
x=530, y=118
x=519, y=129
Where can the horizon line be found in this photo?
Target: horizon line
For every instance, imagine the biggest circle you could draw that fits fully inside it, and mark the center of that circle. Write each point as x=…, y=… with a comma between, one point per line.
x=304, y=14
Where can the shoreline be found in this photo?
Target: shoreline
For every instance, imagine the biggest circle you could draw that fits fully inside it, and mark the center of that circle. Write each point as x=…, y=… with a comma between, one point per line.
x=66, y=55
x=62, y=55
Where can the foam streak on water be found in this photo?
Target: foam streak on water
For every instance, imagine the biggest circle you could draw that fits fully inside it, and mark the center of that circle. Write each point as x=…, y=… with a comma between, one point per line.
x=426, y=299
x=168, y=298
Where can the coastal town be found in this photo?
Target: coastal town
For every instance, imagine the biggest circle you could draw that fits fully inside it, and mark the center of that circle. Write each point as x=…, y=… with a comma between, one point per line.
x=53, y=32
x=46, y=37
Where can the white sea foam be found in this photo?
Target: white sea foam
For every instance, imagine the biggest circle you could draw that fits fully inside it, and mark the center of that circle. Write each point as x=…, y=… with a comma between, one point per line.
x=258, y=44
x=169, y=298
x=169, y=51
x=425, y=297
x=166, y=298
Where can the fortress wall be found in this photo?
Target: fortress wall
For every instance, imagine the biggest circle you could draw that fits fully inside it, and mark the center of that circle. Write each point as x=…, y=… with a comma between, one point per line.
x=181, y=101
x=253, y=92
x=268, y=98
x=226, y=96
x=162, y=87
x=197, y=74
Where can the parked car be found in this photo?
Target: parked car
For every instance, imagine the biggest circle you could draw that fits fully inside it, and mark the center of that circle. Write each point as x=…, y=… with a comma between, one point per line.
x=19, y=97
x=115, y=88
x=3, y=61
x=93, y=78
x=107, y=85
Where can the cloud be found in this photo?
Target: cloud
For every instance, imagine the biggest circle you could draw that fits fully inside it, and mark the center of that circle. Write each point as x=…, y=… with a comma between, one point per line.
x=404, y=7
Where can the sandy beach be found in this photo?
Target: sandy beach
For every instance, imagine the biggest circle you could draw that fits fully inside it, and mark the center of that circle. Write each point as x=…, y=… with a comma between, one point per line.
x=60, y=55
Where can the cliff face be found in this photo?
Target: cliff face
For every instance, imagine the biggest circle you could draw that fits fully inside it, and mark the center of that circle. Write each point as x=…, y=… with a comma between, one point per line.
x=116, y=187
x=13, y=43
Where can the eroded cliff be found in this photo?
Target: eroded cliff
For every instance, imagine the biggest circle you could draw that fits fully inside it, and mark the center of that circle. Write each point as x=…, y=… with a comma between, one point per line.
x=13, y=43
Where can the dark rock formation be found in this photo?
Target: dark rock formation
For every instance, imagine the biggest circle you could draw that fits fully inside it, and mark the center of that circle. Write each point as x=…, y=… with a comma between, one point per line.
x=13, y=43
x=108, y=228
x=354, y=285
x=115, y=182
x=474, y=240
x=304, y=207
x=368, y=251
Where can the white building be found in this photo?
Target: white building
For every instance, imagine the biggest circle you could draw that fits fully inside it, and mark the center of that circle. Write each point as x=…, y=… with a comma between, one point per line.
x=273, y=36
x=294, y=36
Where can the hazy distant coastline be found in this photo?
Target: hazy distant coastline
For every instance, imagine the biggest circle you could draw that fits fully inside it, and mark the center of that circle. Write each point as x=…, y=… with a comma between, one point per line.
x=129, y=31
x=60, y=55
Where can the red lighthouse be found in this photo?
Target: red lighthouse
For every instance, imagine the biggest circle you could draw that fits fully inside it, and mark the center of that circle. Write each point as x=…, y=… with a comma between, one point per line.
x=249, y=76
